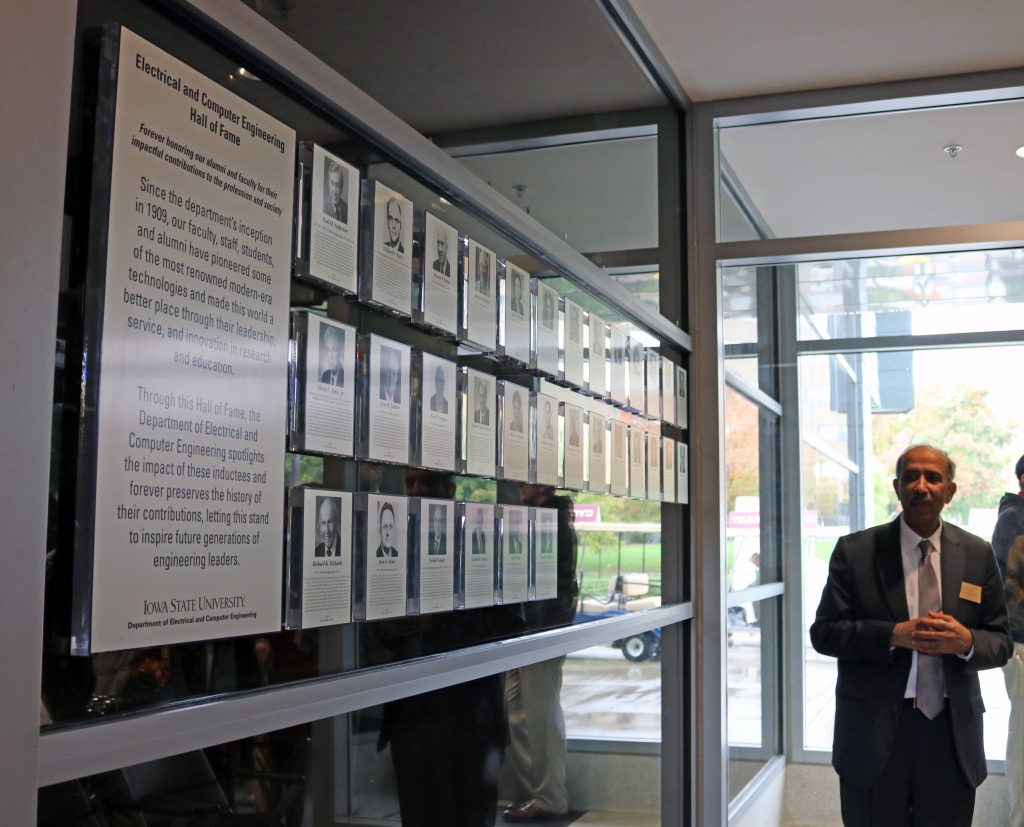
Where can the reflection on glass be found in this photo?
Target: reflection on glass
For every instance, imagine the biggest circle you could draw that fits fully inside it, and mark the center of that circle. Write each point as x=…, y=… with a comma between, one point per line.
x=834, y=385
x=743, y=518
x=739, y=305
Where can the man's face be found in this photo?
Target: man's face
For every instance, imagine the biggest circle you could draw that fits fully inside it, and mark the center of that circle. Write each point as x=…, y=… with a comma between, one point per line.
x=517, y=288
x=335, y=185
x=328, y=523
x=481, y=395
x=439, y=382
x=394, y=221
x=437, y=521
x=387, y=527
x=482, y=262
x=390, y=371
x=924, y=488
x=442, y=247
x=332, y=356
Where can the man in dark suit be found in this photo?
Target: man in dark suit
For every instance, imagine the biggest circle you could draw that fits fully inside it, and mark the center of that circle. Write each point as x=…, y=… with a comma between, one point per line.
x=335, y=203
x=386, y=531
x=393, y=212
x=517, y=294
x=481, y=410
x=483, y=272
x=437, y=539
x=331, y=347
x=516, y=426
x=913, y=610
x=439, y=402
x=441, y=263
x=479, y=538
x=390, y=375
x=327, y=523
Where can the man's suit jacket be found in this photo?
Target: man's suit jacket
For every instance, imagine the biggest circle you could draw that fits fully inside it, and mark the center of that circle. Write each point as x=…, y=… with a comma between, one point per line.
x=439, y=404
x=863, y=599
x=322, y=550
x=437, y=543
x=479, y=543
x=387, y=551
x=442, y=265
x=333, y=377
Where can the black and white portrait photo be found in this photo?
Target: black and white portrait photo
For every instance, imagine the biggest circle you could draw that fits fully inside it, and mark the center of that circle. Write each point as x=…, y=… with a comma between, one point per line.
x=481, y=402
x=515, y=532
x=332, y=349
x=596, y=434
x=548, y=428
x=437, y=540
x=335, y=204
x=516, y=426
x=548, y=312
x=572, y=419
x=387, y=533
x=328, y=527
x=479, y=536
x=482, y=278
x=442, y=263
x=394, y=217
x=517, y=303
x=390, y=374
x=438, y=400
x=575, y=324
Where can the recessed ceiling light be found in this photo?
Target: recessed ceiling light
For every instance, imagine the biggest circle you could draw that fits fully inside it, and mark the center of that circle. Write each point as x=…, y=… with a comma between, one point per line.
x=952, y=150
x=1020, y=152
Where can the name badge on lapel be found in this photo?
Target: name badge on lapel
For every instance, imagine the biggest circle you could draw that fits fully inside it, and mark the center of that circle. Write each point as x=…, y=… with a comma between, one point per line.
x=968, y=591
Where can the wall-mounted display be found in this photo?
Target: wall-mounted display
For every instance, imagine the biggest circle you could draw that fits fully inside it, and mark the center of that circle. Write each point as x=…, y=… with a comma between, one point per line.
x=382, y=555
x=668, y=460
x=653, y=404
x=322, y=398
x=681, y=406
x=573, y=446
x=573, y=343
x=618, y=374
x=477, y=573
x=384, y=429
x=596, y=366
x=514, y=542
x=682, y=473
x=385, y=251
x=618, y=461
x=436, y=286
x=435, y=404
x=547, y=351
x=435, y=581
x=318, y=562
x=637, y=375
x=478, y=305
x=545, y=567
x=668, y=391
x=329, y=231
x=597, y=460
x=637, y=463
x=185, y=359
x=478, y=442
x=653, y=449
x=546, y=428
x=515, y=323
x=514, y=451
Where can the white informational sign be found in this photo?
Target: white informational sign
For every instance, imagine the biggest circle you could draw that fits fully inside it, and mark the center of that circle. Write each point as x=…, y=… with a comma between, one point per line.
x=480, y=268
x=388, y=401
x=617, y=375
x=440, y=302
x=547, y=329
x=437, y=556
x=515, y=568
x=480, y=428
x=573, y=447
x=668, y=391
x=653, y=466
x=392, y=249
x=326, y=557
x=330, y=371
x=573, y=342
x=653, y=406
x=668, y=454
x=437, y=413
x=546, y=553
x=618, y=463
x=386, y=560
x=547, y=440
x=515, y=435
x=637, y=374
x=683, y=472
x=637, y=463
x=193, y=361
x=597, y=465
x=516, y=314
x=334, y=220
x=597, y=361
x=478, y=564
x=681, y=409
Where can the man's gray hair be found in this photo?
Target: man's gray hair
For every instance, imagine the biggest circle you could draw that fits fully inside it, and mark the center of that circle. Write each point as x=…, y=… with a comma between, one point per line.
x=949, y=460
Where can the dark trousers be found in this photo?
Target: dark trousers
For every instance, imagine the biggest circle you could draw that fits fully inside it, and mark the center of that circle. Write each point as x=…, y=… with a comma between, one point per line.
x=921, y=784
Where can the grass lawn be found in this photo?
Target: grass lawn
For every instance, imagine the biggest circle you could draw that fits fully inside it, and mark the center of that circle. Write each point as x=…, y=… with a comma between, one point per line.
x=600, y=566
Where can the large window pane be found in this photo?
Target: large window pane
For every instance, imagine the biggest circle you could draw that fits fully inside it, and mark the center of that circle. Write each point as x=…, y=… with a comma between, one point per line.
x=743, y=492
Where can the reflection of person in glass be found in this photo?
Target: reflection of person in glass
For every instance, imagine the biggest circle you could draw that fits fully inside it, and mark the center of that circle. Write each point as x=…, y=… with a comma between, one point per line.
x=516, y=425
x=481, y=410
x=441, y=263
x=548, y=310
x=537, y=753
x=437, y=539
x=482, y=282
x=386, y=531
x=327, y=528
x=390, y=374
x=332, y=345
x=335, y=203
x=549, y=421
x=393, y=211
x=479, y=543
x=517, y=294
x=439, y=402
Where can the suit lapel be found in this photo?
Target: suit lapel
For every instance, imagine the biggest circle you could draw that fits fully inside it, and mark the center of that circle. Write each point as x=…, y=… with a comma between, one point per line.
x=951, y=564
x=889, y=560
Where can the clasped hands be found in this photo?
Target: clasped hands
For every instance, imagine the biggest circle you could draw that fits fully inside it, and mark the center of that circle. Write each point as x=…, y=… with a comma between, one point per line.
x=936, y=633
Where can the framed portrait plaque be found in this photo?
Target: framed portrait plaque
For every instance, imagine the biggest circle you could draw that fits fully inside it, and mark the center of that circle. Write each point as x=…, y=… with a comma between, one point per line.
x=435, y=398
x=681, y=407
x=682, y=473
x=574, y=345
x=637, y=375
x=479, y=423
x=436, y=284
x=573, y=446
x=548, y=355
x=514, y=413
x=668, y=468
x=330, y=232
x=637, y=463
x=596, y=366
x=382, y=551
x=618, y=462
x=385, y=270
x=478, y=280
x=652, y=406
x=653, y=466
x=478, y=558
x=384, y=431
x=545, y=527
x=618, y=374
x=322, y=390
x=514, y=541
x=435, y=584
x=318, y=564
x=515, y=316
x=668, y=391
x=546, y=427
x=597, y=464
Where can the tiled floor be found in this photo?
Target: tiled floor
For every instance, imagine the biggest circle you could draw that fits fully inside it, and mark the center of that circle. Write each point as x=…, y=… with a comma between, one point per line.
x=619, y=820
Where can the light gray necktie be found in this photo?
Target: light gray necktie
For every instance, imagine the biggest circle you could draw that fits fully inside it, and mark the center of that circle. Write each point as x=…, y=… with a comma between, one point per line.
x=930, y=681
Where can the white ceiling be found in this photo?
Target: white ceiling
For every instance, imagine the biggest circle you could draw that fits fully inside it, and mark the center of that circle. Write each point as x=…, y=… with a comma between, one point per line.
x=734, y=48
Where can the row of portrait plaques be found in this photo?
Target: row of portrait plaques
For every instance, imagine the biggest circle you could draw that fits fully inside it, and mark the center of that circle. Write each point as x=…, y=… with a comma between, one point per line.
x=377, y=556
x=203, y=209
x=375, y=399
